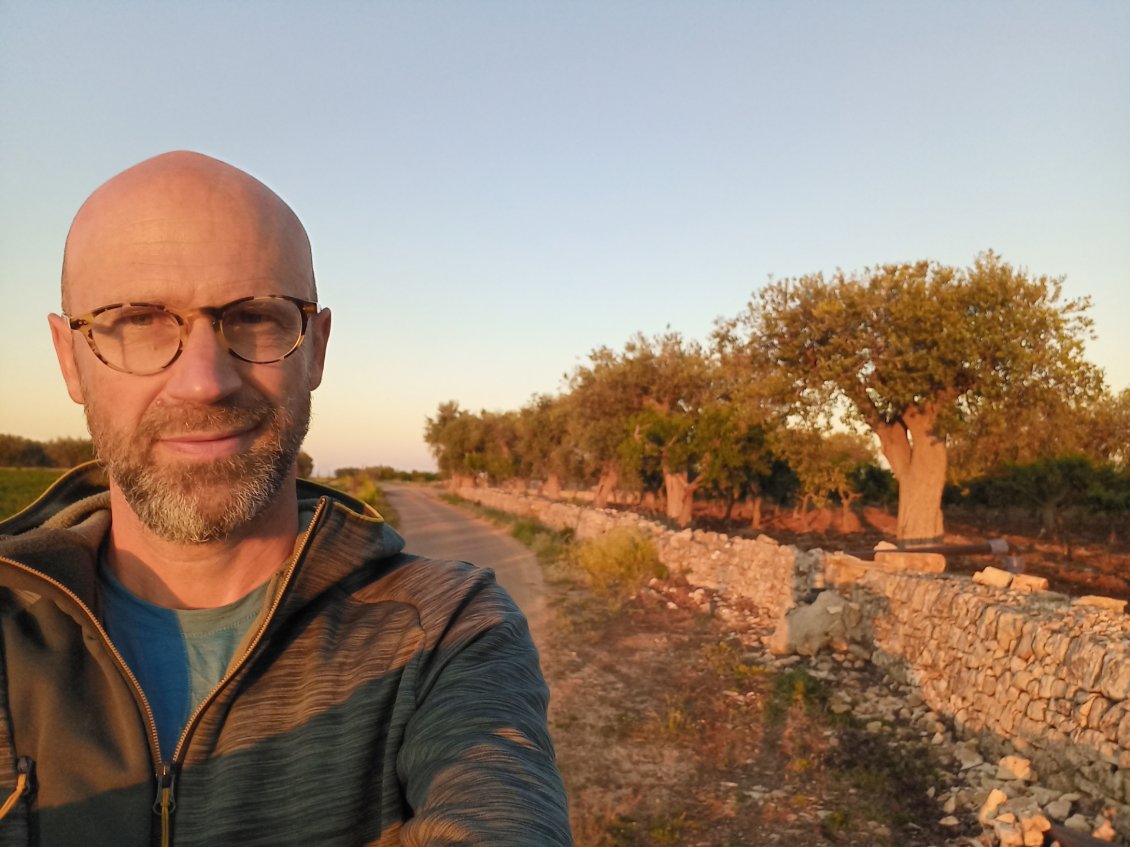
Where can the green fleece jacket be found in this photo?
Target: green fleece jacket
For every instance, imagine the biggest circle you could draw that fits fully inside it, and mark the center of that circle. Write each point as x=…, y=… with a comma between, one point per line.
x=381, y=699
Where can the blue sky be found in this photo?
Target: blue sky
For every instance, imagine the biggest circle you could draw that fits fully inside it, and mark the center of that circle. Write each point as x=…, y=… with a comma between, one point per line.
x=493, y=189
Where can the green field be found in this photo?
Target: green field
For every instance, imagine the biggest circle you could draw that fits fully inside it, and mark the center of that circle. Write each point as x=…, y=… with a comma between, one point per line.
x=20, y=486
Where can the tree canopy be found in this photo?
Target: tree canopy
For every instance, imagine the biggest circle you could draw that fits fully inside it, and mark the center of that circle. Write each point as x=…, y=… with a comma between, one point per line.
x=917, y=352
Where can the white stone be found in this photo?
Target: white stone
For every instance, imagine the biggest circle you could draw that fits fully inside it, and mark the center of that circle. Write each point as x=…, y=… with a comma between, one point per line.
x=993, y=577
x=993, y=802
x=1078, y=823
x=1099, y=602
x=1015, y=767
x=1059, y=809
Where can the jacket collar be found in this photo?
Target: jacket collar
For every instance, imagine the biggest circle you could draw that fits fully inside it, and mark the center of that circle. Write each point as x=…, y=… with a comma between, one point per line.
x=58, y=537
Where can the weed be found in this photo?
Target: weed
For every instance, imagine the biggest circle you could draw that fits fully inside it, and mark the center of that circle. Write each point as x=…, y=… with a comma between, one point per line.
x=677, y=720
x=626, y=831
x=795, y=688
x=619, y=562
x=725, y=661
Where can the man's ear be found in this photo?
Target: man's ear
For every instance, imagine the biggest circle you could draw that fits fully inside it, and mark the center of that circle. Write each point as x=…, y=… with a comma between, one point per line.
x=318, y=336
x=63, y=338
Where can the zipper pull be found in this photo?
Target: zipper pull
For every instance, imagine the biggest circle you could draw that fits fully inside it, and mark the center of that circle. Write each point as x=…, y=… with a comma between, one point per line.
x=165, y=803
x=25, y=784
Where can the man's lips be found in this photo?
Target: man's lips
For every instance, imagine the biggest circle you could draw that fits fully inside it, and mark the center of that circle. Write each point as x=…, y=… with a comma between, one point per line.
x=208, y=445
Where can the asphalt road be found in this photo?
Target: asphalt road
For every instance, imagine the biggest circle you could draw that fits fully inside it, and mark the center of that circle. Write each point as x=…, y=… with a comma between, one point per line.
x=434, y=529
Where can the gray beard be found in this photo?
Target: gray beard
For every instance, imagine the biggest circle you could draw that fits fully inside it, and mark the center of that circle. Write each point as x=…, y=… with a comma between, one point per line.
x=198, y=502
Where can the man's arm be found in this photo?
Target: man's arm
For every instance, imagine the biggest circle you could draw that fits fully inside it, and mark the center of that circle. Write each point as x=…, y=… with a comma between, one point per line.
x=477, y=763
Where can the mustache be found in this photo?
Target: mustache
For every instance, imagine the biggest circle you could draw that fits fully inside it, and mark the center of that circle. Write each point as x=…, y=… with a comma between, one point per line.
x=187, y=419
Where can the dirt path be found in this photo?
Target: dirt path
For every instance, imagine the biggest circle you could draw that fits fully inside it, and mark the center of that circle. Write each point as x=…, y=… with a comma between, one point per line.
x=433, y=528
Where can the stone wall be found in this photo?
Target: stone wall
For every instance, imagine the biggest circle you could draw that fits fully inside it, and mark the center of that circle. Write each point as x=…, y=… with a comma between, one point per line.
x=1027, y=672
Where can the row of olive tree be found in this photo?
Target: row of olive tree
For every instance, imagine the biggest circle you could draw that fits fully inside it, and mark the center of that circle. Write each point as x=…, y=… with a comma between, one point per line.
x=955, y=371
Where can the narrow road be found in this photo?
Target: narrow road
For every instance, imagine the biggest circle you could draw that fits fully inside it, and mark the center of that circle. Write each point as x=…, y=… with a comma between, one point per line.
x=434, y=529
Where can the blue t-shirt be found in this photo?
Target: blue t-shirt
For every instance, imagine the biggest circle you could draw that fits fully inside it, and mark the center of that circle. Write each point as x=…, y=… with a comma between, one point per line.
x=177, y=655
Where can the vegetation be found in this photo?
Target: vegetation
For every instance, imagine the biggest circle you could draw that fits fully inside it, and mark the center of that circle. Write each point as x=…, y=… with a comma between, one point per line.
x=919, y=352
x=956, y=375
x=365, y=488
x=19, y=452
x=619, y=562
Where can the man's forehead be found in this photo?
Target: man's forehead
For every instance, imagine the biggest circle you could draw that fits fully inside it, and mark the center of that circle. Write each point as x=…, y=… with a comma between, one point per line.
x=181, y=222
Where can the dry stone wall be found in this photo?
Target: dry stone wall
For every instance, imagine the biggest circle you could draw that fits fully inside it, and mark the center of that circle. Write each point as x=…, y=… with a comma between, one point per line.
x=1026, y=672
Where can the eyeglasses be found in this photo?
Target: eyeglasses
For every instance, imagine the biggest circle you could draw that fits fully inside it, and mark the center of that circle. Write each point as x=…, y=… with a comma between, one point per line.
x=144, y=338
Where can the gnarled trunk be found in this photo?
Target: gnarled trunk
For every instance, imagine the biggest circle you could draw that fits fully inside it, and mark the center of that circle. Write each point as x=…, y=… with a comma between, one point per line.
x=918, y=461
x=606, y=487
x=552, y=487
x=680, y=497
x=755, y=517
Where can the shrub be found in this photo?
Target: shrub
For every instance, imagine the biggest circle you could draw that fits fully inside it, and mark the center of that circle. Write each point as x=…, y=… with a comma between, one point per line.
x=620, y=561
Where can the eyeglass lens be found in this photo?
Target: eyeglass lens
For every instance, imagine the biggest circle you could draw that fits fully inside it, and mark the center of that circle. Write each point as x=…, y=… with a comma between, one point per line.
x=142, y=339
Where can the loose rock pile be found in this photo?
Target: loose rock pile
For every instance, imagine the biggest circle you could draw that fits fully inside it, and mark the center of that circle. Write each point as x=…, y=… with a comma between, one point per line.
x=1003, y=796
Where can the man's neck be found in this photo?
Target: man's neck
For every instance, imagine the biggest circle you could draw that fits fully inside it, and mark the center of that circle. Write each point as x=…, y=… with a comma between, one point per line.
x=200, y=576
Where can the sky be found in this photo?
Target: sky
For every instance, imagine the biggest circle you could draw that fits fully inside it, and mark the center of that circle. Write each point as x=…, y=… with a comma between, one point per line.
x=494, y=189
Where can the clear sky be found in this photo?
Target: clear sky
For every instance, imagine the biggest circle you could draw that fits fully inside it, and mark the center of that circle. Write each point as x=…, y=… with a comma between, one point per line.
x=493, y=189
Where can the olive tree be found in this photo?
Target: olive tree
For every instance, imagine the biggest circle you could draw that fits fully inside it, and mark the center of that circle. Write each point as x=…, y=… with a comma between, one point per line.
x=916, y=352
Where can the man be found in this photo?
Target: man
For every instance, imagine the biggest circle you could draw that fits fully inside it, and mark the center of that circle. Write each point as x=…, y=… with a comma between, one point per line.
x=198, y=649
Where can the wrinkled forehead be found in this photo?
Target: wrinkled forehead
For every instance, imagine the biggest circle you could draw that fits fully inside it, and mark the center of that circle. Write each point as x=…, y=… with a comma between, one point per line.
x=184, y=230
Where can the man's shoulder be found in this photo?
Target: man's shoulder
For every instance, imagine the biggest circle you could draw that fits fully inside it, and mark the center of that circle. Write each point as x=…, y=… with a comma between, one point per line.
x=440, y=591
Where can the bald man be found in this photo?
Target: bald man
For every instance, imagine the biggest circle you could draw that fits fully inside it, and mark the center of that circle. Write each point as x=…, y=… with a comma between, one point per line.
x=197, y=647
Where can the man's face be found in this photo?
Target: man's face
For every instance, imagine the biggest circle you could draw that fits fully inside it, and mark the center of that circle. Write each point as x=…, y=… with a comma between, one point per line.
x=202, y=447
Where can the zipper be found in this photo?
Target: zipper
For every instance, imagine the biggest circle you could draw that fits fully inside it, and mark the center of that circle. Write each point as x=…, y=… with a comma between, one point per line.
x=25, y=785
x=300, y=550
x=164, y=803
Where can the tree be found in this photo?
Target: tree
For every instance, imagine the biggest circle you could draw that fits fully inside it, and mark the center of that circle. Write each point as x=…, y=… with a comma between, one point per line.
x=305, y=464
x=638, y=413
x=544, y=445
x=917, y=352
x=19, y=452
x=465, y=444
x=826, y=465
x=68, y=452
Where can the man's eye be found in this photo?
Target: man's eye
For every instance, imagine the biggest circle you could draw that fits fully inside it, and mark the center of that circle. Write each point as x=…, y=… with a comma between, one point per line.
x=127, y=319
x=252, y=318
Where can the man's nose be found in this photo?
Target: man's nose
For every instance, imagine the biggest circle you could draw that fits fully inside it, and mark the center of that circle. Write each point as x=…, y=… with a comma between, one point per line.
x=205, y=371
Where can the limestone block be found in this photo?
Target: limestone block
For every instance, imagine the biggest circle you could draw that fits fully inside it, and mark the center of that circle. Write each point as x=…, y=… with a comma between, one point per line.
x=1085, y=663
x=993, y=577
x=1028, y=583
x=992, y=804
x=1099, y=602
x=1008, y=833
x=1015, y=767
x=1009, y=625
x=1059, y=810
x=1078, y=823
x=1115, y=679
x=809, y=628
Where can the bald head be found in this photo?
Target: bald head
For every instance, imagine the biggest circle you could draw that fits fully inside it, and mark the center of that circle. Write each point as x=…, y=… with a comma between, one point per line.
x=183, y=226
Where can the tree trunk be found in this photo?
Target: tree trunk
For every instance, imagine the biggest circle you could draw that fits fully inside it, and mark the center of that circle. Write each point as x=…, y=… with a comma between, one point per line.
x=755, y=519
x=918, y=461
x=606, y=487
x=552, y=487
x=680, y=497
